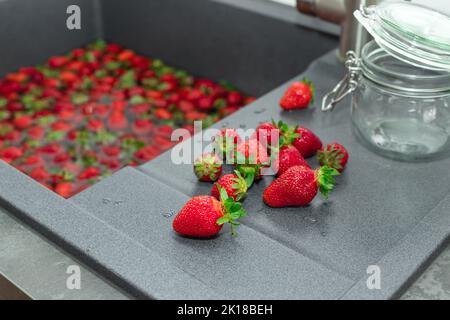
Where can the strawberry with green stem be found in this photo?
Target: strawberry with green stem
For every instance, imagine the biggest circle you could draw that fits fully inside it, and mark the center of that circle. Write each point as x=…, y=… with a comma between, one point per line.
x=234, y=184
x=208, y=167
x=298, y=96
x=205, y=216
x=299, y=186
x=251, y=158
x=334, y=156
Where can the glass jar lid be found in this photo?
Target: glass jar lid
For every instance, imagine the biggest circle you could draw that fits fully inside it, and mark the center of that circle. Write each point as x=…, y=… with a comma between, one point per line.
x=410, y=32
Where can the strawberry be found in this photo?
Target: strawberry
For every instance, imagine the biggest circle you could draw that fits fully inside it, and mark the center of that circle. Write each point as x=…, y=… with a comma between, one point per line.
x=12, y=153
x=251, y=157
x=57, y=62
x=299, y=186
x=298, y=96
x=65, y=189
x=36, y=133
x=334, y=156
x=204, y=216
x=142, y=126
x=23, y=122
x=208, y=167
x=40, y=174
x=234, y=98
x=89, y=173
x=234, y=184
x=226, y=143
x=94, y=125
x=111, y=151
x=308, y=143
x=264, y=132
x=117, y=121
x=288, y=157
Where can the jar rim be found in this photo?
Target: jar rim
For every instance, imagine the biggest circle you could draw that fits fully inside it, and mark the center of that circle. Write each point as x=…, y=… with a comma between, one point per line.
x=416, y=81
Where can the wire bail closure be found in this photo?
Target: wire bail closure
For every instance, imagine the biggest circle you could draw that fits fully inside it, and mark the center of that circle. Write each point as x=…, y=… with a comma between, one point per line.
x=346, y=86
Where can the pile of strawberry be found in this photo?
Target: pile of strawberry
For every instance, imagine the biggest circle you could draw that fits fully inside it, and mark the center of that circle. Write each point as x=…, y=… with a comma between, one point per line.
x=297, y=184
x=82, y=116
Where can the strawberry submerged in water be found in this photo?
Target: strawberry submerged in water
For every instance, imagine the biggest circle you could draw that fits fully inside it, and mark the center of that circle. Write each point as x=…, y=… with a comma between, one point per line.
x=208, y=167
x=334, y=156
x=204, y=216
x=299, y=186
x=98, y=109
x=298, y=96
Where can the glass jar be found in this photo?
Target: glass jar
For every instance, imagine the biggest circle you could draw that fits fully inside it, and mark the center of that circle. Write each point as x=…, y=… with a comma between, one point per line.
x=400, y=94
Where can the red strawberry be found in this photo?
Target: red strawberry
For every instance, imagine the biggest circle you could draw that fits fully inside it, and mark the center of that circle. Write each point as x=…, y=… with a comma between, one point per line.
x=36, y=133
x=40, y=174
x=89, y=173
x=308, y=143
x=226, y=142
x=33, y=160
x=234, y=184
x=208, y=167
x=23, y=122
x=251, y=157
x=334, y=156
x=142, y=126
x=117, y=121
x=298, y=96
x=288, y=157
x=111, y=151
x=234, y=98
x=205, y=104
x=204, y=216
x=11, y=153
x=57, y=62
x=163, y=114
x=264, y=132
x=299, y=186
x=94, y=125
x=65, y=189
x=147, y=153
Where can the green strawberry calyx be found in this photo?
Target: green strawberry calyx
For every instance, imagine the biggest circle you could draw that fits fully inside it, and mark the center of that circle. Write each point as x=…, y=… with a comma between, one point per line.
x=248, y=172
x=232, y=210
x=325, y=179
x=240, y=186
x=208, y=166
x=288, y=134
x=331, y=157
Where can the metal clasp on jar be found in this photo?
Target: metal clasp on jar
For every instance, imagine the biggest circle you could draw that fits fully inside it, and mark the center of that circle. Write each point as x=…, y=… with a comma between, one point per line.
x=346, y=86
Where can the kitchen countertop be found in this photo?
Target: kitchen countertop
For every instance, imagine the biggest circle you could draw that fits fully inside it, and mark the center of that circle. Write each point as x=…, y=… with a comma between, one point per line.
x=98, y=231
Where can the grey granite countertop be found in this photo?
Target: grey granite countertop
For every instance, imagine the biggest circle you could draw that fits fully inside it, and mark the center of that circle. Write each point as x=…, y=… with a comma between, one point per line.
x=39, y=267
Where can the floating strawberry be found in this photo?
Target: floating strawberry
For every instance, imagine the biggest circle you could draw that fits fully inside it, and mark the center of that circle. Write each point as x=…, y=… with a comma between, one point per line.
x=298, y=96
x=23, y=122
x=234, y=184
x=65, y=189
x=208, y=167
x=117, y=121
x=334, y=156
x=308, y=143
x=204, y=216
x=299, y=186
